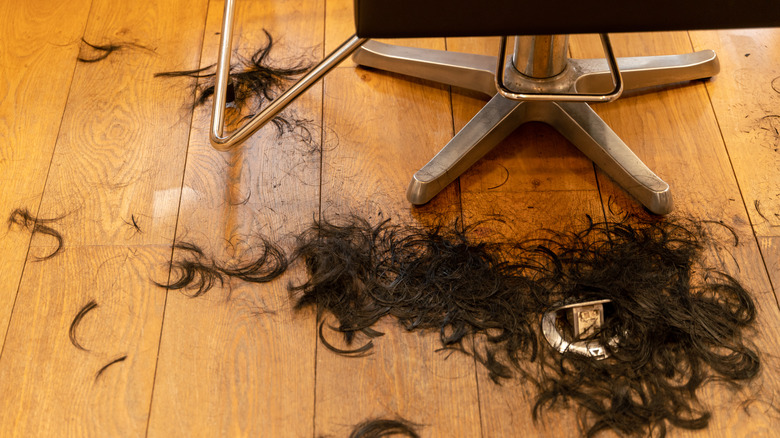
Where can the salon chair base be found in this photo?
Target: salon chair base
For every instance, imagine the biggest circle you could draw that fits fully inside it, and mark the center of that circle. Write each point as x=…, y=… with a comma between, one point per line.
x=574, y=120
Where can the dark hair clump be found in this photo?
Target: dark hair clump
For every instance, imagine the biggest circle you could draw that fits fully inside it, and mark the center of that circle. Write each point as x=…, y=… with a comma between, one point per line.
x=672, y=324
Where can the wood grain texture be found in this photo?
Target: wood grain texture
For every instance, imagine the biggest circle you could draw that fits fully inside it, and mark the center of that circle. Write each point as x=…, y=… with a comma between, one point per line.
x=770, y=250
x=239, y=361
x=356, y=172
x=48, y=386
x=672, y=129
x=38, y=37
x=121, y=150
x=115, y=163
x=746, y=100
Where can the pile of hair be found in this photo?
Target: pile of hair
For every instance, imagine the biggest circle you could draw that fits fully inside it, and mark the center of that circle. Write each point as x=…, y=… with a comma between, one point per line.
x=427, y=278
x=676, y=325
x=252, y=83
x=672, y=325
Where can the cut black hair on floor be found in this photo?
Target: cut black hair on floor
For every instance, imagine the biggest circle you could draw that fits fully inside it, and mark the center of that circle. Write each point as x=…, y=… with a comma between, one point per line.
x=195, y=274
x=91, y=305
x=676, y=325
x=252, y=83
x=429, y=279
x=673, y=325
x=108, y=365
x=22, y=218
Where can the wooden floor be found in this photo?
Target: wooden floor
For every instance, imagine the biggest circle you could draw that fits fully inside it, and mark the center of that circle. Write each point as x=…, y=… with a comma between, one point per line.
x=104, y=145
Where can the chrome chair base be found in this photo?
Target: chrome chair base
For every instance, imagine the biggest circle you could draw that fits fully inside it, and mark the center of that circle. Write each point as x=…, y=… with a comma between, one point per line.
x=574, y=120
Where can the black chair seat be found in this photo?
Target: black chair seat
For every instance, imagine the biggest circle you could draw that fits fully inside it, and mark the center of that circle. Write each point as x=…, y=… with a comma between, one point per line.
x=439, y=18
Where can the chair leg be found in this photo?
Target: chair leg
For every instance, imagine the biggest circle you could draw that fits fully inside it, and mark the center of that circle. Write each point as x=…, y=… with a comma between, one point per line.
x=465, y=70
x=647, y=71
x=575, y=121
x=496, y=120
x=586, y=130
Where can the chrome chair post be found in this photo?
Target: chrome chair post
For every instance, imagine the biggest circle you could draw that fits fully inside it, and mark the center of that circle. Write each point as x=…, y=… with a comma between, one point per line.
x=541, y=56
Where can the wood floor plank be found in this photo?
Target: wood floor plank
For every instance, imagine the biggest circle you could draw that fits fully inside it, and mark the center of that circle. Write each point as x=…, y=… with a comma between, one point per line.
x=387, y=127
x=770, y=249
x=51, y=388
x=38, y=37
x=121, y=150
x=746, y=98
x=241, y=354
x=676, y=133
x=507, y=408
x=118, y=163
